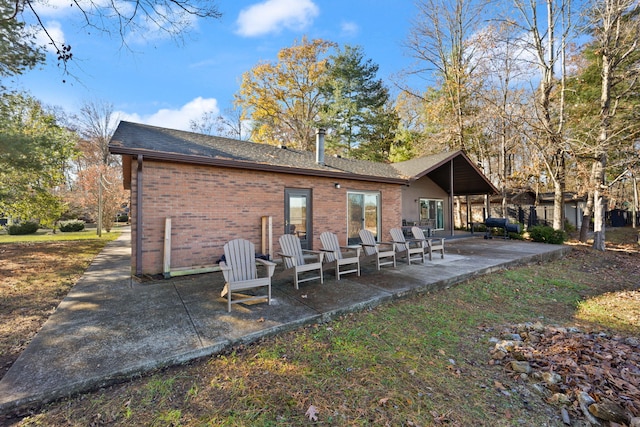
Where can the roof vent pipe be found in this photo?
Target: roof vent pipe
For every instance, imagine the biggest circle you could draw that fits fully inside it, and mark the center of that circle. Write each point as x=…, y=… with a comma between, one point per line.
x=320, y=132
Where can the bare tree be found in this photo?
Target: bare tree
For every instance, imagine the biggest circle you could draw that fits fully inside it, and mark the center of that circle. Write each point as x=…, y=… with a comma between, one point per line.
x=438, y=40
x=96, y=124
x=615, y=26
x=548, y=43
x=171, y=18
x=502, y=71
x=228, y=125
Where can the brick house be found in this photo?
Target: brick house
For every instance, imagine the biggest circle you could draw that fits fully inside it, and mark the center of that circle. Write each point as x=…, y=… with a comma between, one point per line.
x=216, y=189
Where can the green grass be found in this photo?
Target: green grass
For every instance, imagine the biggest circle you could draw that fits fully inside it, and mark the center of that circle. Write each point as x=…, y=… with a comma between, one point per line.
x=423, y=360
x=48, y=236
x=617, y=311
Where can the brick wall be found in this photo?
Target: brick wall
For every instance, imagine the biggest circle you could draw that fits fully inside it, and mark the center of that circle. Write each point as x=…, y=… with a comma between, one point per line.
x=211, y=205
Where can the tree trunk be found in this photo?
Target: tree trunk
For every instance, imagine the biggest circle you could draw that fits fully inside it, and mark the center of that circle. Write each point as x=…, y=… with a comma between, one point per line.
x=458, y=213
x=558, y=206
x=586, y=218
x=635, y=200
x=598, y=223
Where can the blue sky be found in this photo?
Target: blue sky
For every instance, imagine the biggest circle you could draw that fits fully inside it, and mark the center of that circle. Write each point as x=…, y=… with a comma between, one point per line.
x=161, y=82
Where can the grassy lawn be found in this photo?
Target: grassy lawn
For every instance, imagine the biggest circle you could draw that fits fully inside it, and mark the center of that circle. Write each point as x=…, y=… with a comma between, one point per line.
x=44, y=235
x=36, y=273
x=419, y=361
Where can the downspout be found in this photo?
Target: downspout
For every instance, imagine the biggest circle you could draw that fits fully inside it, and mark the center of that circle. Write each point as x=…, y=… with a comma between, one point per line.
x=451, y=197
x=139, y=217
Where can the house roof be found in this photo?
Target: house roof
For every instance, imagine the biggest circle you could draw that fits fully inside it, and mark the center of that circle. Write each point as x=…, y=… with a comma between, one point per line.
x=133, y=139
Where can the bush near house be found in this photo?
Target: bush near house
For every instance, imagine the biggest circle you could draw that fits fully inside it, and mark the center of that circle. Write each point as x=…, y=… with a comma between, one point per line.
x=28, y=227
x=519, y=235
x=546, y=234
x=72, y=225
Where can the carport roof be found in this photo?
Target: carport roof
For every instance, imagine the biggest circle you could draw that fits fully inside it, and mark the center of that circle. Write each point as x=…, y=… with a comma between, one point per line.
x=133, y=139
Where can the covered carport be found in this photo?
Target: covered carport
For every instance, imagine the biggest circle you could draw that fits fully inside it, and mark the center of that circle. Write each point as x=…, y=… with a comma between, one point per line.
x=453, y=173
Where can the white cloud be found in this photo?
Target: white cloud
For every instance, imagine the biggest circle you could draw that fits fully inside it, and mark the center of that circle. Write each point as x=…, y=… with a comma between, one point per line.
x=176, y=118
x=271, y=16
x=54, y=28
x=349, y=28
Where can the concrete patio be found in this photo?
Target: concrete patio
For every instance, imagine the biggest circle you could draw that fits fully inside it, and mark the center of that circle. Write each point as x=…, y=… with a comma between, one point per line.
x=112, y=327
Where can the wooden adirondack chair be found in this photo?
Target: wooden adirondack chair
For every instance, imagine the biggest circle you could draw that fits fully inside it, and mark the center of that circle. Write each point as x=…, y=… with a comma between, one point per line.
x=293, y=256
x=411, y=249
x=240, y=272
x=382, y=251
x=340, y=255
x=429, y=244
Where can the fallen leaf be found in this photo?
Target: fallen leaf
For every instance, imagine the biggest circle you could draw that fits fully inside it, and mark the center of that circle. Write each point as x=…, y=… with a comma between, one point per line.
x=312, y=413
x=260, y=320
x=382, y=401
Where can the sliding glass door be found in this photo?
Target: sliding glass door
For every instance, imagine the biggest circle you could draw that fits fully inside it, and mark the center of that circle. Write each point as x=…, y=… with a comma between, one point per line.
x=363, y=212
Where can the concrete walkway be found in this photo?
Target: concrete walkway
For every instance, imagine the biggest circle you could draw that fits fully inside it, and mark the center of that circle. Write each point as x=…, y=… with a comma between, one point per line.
x=112, y=327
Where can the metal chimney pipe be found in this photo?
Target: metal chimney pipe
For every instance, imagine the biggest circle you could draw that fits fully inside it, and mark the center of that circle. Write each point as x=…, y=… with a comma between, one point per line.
x=320, y=132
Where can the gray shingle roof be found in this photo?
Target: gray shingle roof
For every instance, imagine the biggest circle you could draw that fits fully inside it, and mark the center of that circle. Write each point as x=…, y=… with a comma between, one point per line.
x=188, y=147
x=134, y=138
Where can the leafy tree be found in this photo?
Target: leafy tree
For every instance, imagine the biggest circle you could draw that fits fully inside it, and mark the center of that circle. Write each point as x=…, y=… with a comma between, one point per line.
x=283, y=99
x=410, y=130
x=99, y=189
x=34, y=153
x=378, y=135
x=18, y=50
x=355, y=108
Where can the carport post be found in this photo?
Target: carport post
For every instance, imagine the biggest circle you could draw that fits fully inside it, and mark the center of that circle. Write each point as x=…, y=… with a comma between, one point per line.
x=451, y=197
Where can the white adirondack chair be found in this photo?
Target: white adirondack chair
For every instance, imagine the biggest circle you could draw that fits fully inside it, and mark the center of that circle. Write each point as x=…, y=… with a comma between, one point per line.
x=340, y=255
x=429, y=244
x=385, y=252
x=411, y=249
x=293, y=256
x=240, y=272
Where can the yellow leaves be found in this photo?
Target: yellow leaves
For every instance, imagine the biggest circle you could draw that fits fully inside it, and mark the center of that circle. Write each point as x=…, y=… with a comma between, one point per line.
x=279, y=97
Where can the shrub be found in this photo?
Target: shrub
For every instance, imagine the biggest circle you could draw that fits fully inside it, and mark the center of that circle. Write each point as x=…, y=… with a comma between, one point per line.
x=516, y=236
x=28, y=227
x=568, y=227
x=72, y=225
x=546, y=234
x=479, y=227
